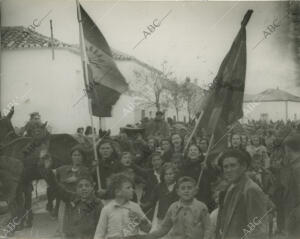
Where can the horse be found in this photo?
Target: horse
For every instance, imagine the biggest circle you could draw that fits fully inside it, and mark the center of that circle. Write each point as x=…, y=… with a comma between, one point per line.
x=28, y=151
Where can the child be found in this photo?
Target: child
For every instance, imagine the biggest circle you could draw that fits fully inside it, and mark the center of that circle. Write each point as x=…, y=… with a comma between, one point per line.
x=121, y=217
x=67, y=176
x=82, y=207
x=186, y=218
x=164, y=193
x=126, y=161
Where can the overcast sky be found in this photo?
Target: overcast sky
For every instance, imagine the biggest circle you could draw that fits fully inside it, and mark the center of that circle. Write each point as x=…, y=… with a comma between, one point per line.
x=193, y=38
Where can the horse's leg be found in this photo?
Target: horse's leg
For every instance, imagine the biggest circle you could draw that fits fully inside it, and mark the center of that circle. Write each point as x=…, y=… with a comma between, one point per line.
x=28, y=204
x=50, y=198
x=19, y=210
x=55, y=212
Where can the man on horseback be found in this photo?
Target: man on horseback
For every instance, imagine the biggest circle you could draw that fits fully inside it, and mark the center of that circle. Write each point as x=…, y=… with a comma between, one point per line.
x=31, y=160
x=27, y=129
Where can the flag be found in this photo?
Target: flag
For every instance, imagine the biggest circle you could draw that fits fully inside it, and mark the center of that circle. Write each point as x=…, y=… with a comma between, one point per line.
x=106, y=83
x=223, y=104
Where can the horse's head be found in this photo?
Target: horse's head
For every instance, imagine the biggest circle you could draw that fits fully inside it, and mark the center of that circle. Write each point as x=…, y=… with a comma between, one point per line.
x=6, y=128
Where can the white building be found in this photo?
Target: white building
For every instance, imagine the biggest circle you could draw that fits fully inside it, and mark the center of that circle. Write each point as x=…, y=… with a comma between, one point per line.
x=32, y=81
x=272, y=104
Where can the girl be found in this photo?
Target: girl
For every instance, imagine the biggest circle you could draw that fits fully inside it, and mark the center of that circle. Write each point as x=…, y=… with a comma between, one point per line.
x=68, y=176
x=192, y=166
x=152, y=144
x=236, y=143
x=177, y=143
x=109, y=161
x=164, y=194
x=203, y=145
x=167, y=149
x=257, y=147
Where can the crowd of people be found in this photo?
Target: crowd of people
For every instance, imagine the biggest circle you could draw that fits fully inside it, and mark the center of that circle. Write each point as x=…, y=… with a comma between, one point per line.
x=148, y=183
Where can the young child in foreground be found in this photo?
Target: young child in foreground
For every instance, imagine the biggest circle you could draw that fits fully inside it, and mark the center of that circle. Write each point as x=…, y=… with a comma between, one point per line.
x=187, y=218
x=121, y=218
x=82, y=207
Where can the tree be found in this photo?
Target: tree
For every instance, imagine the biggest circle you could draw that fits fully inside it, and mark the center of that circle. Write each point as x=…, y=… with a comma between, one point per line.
x=153, y=86
x=188, y=90
x=175, y=96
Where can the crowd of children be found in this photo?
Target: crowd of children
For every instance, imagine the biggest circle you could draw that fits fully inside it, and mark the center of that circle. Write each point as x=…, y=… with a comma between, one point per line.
x=152, y=188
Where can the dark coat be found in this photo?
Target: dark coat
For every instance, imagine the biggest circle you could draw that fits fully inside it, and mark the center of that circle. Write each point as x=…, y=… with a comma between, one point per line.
x=65, y=172
x=81, y=216
x=158, y=128
x=107, y=168
x=165, y=198
x=193, y=169
x=291, y=198
x=246, y=203
x=167, y=156
x=267, y=183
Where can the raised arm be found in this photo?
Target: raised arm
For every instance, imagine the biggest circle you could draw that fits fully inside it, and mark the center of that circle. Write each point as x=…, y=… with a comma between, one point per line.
x=49, y=176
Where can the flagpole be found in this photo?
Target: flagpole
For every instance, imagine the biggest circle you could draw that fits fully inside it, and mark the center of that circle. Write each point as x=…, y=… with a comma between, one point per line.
x=193, y=132
x=205, y=159
x=52, y=42
x=218, y=113
x=86, y=81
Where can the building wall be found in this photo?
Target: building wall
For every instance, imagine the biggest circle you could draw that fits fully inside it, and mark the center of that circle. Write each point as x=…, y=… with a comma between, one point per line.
x=33, y=82
x=36, y=83
x=274, y=110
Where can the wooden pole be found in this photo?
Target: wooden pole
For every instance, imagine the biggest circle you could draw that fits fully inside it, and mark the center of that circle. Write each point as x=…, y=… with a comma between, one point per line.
x=206, y=157
x=286, y=111
x=193, y=132
x=86, y=81
x=52, y=42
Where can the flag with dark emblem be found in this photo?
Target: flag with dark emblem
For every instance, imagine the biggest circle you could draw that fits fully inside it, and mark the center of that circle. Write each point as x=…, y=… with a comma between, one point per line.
x=223, y=104
x=106, y=83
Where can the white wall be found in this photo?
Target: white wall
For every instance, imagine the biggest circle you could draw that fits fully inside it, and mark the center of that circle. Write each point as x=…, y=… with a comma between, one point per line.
x=275, y=110
x=53, y=86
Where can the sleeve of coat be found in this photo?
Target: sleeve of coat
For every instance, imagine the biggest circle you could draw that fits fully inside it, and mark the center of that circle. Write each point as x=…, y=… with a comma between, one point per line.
x=64, y=194
x=296, y=176
x=293, y=219
x=257, y=213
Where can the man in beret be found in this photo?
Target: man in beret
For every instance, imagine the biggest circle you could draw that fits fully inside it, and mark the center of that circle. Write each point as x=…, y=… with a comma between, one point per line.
x=243, y=211
x=292, y=186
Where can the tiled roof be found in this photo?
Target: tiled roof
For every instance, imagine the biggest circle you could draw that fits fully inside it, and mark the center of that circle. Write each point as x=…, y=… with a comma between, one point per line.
x=21, y=37
x=271, y=95
x=18, y=37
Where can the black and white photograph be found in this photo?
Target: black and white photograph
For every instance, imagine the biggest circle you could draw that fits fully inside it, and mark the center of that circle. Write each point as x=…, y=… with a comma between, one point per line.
x=127, y=119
